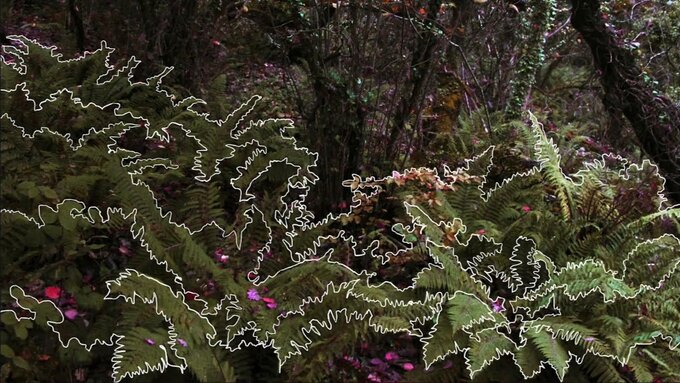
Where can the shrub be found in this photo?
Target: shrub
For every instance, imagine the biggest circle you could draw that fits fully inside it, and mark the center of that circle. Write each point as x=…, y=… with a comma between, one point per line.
x=143, y=237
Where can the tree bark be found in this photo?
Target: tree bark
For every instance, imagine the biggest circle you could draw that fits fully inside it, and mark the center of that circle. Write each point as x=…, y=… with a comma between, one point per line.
x=654, y=117
x=78, y=24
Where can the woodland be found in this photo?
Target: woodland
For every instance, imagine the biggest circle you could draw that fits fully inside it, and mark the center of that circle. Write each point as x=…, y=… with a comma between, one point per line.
x=340, y=191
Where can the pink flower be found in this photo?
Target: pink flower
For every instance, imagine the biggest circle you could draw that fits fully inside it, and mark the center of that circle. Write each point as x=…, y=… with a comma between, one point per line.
x=481, y=231
x=150, y=341
x=220, y=256
x=215, y=42
x=408, y=366
x=373, y=377
x=589, y=339
x=391, y=356
x=124, y=251
x=377, y=361
x=53, y=292
x=498, y=305
x=355, y=363
x=253, y=295
x=71, y=314
x=182, y=342
x=342, y=205
x=271, y=302
x=526, y=208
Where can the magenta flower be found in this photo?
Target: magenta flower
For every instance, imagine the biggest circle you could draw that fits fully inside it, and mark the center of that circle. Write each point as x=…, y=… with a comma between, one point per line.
x=182, y=342
x=498, y=305
x=53, y=292
x=253, y=295
x=220, y=256
x=373, y=377
x=124, y=248
x=391, y=356
x=377, y=361
x=71, y=314
x=271, y=302
x=408, y=366
x=526, y=208
x=150, y=341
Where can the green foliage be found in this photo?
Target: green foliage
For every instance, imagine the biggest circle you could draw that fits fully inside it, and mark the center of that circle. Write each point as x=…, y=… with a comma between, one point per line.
x=555, y=262
x=533, y=29
x=199, y=223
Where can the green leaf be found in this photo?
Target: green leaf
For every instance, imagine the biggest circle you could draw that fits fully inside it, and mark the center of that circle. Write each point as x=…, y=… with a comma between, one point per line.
x=48, y=193
x=410, y=238
x=28, y=188
x=528, y=359
x=465, y=310
x=53, y=231
x=7, y=318
x=35, y=237
x=20, y=331
x=47, y=215
x=21, y=363
x=65, y=219
x=6, y=351
x=552, y=349
x=490, y=347
x=134, y=355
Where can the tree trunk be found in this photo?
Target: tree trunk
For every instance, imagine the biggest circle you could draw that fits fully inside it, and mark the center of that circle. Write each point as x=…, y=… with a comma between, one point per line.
x=654, y=118
x=78, y=25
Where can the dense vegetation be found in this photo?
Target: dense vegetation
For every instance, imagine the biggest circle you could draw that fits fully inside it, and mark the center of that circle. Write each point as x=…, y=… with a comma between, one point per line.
x=340, y=191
